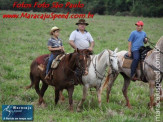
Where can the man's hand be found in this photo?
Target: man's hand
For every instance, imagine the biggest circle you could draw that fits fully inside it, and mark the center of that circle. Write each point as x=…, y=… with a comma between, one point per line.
x=59, y=48
x=62, y=49
x=145, y=40
x=90, y=48
x=72, y=44
x=129, y=53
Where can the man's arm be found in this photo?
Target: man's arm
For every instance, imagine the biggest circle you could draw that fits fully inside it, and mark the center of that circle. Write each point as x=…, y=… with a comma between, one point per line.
x=71, y=42
x=91, y=46
x=129, y=49
x=92, y=43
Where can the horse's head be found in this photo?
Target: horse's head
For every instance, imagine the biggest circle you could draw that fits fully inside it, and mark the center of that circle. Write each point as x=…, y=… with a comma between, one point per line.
x=83, y=58
x=113, y=59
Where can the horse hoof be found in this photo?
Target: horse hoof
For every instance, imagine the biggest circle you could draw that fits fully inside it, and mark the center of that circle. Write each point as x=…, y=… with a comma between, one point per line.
x=154, y=104
x=71, y=109
x=129, y=106
x=43, y=105
x=78, y=109
x=100, y=106
x=38, y=104
x=151, y=109
x=61, y=100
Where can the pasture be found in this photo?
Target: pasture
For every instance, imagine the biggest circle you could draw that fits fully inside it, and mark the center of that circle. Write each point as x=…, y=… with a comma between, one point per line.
x=22, y=40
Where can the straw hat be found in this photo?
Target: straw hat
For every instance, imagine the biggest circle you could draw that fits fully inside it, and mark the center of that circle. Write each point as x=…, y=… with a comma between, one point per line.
x=54, y=28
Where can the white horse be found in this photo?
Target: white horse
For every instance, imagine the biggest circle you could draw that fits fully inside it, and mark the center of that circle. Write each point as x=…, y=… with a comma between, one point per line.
x=96, y=73
x=149, y=72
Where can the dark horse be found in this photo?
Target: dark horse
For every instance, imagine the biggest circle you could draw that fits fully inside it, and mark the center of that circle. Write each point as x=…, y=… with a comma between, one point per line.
x=62, y=76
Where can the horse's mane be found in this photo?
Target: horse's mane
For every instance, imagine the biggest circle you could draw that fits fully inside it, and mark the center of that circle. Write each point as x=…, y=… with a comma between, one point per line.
x=159, y=44
x=69, y=56
x=99, y=56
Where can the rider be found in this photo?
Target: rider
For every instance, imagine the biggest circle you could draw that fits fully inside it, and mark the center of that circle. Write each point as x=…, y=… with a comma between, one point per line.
x=55, y=47
x=136, y=40
x=80, y=38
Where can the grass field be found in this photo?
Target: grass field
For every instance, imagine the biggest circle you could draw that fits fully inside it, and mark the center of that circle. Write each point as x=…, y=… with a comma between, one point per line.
x=22, y=40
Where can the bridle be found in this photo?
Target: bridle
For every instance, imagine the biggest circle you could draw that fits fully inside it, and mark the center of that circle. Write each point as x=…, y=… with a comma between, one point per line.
x=79, y=65
x=101, y=77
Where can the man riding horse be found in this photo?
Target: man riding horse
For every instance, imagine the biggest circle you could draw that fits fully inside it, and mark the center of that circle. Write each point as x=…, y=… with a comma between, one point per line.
x=136, y=40
x=81, y=39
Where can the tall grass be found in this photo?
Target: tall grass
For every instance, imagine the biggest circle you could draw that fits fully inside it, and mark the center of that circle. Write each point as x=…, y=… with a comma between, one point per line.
x=22, y=40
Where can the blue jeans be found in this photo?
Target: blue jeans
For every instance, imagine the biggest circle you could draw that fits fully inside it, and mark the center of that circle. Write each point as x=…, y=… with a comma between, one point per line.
x=135, y=62
x=50, y=62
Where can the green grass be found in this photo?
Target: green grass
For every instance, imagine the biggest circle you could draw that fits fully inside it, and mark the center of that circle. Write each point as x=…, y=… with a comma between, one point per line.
x=22, y=40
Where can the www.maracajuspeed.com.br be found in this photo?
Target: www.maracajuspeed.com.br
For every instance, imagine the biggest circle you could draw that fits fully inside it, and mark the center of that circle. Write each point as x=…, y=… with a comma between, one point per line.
x=49, y=16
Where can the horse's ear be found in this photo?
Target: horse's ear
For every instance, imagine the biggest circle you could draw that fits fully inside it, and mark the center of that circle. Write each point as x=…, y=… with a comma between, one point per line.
x=116, y=50
x=88, y=52
x=77, y=50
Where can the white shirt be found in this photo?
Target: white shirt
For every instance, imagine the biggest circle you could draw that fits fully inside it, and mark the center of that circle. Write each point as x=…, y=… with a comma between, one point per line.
x=81, y=40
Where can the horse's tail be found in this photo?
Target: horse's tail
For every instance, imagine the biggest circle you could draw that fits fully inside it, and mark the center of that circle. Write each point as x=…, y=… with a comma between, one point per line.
x=106, y=81
x=32, y=82
x=31, y=77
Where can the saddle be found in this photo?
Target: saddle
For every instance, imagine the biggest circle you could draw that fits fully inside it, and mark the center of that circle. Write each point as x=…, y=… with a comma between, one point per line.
x=56, y=61
x=43, y=60
x=144, y=53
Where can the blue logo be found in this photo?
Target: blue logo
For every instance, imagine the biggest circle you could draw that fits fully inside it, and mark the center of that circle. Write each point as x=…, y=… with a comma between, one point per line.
x=17, y=112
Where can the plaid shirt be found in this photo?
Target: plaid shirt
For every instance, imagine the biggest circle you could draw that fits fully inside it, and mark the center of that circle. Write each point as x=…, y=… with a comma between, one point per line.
x=54, y=43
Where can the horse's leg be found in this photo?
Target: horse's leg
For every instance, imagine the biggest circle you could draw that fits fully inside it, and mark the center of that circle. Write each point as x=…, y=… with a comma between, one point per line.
x=85, y=90
x=99, y=91
x=160, y=95
x=43, y=89
x=151, y=88
x=61, y=97
x=56, y=95
x=110, y=84
x=70, y=93
x=37, y=89
x=124, y=90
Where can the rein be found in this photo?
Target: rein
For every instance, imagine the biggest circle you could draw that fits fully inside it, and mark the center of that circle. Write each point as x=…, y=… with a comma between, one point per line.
x=153, y=67
x=153, y=45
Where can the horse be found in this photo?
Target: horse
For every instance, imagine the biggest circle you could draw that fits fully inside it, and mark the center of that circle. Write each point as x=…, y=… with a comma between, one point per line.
x=97, y=67
x=62, y=76
x=148, y=71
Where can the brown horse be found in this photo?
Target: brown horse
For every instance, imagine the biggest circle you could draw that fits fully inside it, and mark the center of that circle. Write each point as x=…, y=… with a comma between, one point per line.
x=62, y=76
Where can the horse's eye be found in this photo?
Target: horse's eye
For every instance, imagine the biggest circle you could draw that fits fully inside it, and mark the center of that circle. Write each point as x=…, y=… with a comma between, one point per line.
x=111, y=59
